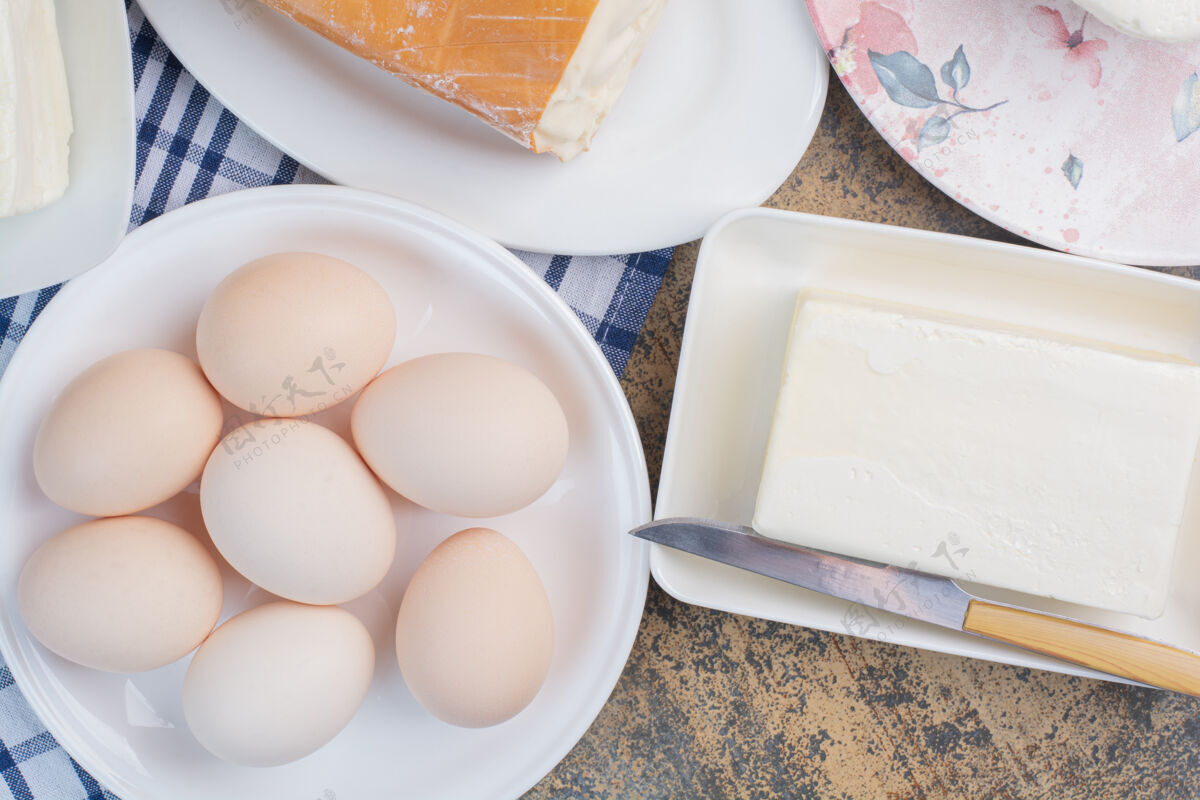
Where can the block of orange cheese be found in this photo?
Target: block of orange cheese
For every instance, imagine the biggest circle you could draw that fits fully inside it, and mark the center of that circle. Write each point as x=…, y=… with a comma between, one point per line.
x=544, y=72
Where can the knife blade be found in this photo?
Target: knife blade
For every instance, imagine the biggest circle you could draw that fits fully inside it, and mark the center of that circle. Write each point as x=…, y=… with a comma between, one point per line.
x=933, y=599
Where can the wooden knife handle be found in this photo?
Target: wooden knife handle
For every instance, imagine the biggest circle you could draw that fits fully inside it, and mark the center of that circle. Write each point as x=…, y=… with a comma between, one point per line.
x=1087, y=645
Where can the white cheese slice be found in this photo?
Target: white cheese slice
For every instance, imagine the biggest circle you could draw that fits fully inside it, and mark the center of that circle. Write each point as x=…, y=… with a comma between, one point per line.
x=965, y=449
x=610, y=46
x=1165, y=20
x=35, y=113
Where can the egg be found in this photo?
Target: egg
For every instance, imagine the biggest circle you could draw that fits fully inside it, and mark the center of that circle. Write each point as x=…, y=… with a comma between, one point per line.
x=474, y=634
x=127, y=433
x=294, y=333
x=292, y=507
x=461, y=433
x=277, y=682
x=122, y=594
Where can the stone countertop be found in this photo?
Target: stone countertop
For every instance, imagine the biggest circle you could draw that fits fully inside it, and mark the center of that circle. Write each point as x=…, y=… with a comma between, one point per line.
x=715, y=705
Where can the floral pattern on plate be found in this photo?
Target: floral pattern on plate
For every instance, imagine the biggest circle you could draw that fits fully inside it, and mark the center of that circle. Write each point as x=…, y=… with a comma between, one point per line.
x=1035, y=115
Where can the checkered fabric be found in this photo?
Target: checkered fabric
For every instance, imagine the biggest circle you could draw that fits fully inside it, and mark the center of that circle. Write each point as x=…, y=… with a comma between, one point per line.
x=190, y=147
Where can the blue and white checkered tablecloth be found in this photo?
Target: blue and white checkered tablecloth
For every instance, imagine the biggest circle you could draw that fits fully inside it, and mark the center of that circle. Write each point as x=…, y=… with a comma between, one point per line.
x=190, y=147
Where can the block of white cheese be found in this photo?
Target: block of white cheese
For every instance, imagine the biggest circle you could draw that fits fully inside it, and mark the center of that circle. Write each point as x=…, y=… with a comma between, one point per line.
x=1165, y=20
x=35, y=113
x=980, y=452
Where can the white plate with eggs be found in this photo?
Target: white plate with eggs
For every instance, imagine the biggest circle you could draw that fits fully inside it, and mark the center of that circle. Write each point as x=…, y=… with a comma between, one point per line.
x=452, y=291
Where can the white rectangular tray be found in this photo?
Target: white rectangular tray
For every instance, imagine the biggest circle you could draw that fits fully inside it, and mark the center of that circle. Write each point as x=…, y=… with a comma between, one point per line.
x=751, y=265
x=80, y=229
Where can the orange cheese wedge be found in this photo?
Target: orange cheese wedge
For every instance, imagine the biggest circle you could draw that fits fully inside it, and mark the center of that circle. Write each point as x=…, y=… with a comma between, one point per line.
x=543, y=72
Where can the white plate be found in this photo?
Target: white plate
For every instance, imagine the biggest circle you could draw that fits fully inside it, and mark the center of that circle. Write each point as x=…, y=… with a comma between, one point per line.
x=76, y=233
x=749, y=270
x=715, y=117
x=453, y=290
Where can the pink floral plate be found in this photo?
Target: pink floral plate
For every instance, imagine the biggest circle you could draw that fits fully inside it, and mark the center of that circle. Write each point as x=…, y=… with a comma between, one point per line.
x=1038, y=117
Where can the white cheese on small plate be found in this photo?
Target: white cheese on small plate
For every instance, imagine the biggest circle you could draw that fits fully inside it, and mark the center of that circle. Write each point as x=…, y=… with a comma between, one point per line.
x=35, y=113
x=1165, y=20
x=991, y=454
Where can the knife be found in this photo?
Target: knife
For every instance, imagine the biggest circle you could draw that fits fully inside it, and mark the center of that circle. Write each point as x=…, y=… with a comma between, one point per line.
x=933, y=599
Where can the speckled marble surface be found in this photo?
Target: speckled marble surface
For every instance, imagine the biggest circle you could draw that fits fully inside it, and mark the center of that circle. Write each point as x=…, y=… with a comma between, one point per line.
x=714, y=705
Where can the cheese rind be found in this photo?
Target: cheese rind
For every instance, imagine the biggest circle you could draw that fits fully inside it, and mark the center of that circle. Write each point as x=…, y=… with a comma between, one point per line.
x=35, y=113
x=614, y=39
x=986, y=454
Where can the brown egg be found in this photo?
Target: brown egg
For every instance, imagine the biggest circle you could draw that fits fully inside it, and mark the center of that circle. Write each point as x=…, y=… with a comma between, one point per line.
x=293, y=508
x=294, y=333
x=277, y=682
x=122, y=594
x=462, y=433
x=474, y=634
x=129, y=432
